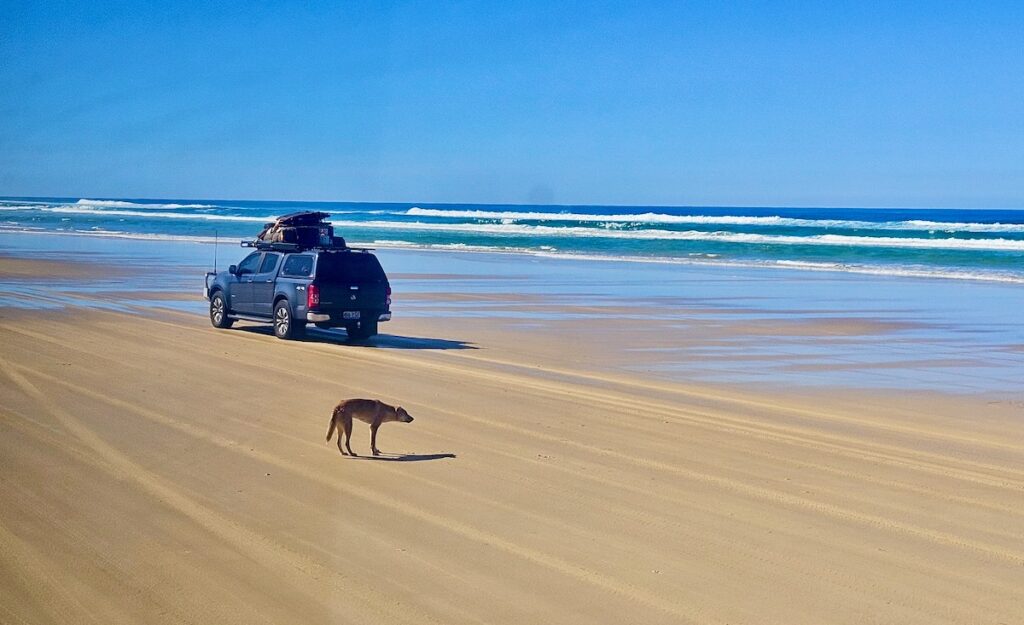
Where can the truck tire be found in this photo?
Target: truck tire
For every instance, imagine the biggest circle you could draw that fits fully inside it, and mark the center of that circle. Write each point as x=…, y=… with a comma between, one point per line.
x=219, y=311
x=285, y=325
x=362, y=329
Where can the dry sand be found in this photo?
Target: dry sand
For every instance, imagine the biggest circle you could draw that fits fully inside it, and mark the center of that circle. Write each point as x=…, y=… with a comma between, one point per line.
x=156, y=470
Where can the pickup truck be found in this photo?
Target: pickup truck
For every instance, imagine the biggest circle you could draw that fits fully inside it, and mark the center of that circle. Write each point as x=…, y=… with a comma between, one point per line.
x=327, y=287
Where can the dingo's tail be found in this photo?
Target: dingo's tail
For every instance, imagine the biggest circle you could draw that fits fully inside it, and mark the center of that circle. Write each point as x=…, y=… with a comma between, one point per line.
x=330, y=428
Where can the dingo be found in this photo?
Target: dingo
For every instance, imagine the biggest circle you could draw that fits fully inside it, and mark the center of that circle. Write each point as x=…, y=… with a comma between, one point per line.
x=370, y=411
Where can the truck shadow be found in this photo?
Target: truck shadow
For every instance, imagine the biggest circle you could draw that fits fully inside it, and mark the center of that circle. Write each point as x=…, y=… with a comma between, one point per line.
x=394, y=341
x=381, y=341
x=403, y=457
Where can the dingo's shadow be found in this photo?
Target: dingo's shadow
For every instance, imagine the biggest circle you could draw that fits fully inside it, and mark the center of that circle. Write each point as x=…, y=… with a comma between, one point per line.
x=380, y=341
x=402, y=457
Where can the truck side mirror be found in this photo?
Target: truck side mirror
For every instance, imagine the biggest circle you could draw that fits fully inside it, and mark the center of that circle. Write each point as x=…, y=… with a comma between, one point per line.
x=233, y=270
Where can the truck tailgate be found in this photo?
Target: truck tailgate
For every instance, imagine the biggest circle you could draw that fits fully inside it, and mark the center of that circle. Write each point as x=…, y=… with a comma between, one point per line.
x=366, y=296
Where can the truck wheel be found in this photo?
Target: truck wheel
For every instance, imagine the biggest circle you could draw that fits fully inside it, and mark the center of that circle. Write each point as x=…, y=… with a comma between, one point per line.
x=219, y=312
x=362, y=329
x=285, y=326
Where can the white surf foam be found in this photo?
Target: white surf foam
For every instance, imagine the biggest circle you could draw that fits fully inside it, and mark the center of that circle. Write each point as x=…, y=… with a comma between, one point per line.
x=116, y=234
x=894, y=271
x=86, y=210
x=917, y=224
x=737, y=220
x=697, y=235
x=393, y=243
x=915, y=271
x=124, y=204
x=639, y=218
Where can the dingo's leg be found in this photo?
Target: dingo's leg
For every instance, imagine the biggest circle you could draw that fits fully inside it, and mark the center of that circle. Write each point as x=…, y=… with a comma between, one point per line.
x=347, y=423
x=373, y=439
x=340, y=448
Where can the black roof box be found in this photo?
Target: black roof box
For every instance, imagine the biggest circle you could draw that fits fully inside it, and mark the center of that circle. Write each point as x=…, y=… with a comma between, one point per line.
x=302, y=218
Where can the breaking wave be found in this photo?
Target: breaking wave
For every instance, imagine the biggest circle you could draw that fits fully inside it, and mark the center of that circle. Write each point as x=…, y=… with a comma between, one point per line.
x=86, y=210
x=124, y=204
x=697, y=235
x=735, y=220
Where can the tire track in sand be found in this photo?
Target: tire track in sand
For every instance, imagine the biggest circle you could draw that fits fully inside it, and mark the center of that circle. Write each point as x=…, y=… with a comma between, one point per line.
x=268, y=551
x=780, y=498
x=708, y=421
x=296, y=569
x=733, y=485
x=970, y=470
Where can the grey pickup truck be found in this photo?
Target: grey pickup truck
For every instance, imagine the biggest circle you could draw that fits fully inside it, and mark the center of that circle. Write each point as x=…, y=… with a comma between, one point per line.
x=290, y=286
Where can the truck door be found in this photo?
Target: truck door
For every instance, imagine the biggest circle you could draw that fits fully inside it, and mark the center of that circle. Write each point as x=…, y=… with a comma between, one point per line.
x=241, y=290
x=263, y=284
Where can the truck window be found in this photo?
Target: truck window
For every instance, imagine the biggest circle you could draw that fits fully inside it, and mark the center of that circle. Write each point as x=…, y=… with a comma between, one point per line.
x=249, y=265
x=349, y=268
x=269, y=263
x=298, y=266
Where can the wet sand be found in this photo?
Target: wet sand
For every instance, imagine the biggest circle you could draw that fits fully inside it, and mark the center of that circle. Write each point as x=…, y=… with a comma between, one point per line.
x=154, y=469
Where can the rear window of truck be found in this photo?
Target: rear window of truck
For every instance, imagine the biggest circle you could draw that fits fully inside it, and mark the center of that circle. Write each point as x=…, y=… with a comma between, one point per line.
x=349, y=267
x=298, y=266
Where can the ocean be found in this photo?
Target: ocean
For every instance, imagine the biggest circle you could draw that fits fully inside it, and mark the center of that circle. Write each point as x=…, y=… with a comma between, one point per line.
x=863, y=298
x=953, y=244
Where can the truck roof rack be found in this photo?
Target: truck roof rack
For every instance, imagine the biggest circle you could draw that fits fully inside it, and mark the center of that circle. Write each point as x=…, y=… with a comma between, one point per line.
x=278, y=246
x=275, y=246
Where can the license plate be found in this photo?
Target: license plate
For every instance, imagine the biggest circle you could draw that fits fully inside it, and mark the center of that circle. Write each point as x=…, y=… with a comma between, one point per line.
x=350, y=315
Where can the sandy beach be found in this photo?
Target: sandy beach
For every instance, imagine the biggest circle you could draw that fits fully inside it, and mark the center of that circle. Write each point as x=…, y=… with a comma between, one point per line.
x=154, y=469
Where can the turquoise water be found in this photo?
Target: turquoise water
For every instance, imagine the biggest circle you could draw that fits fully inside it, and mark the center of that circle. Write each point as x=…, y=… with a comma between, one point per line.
x=985, y=245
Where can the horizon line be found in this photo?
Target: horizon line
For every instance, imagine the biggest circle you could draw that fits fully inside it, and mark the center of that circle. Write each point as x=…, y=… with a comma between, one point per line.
x=472, y=203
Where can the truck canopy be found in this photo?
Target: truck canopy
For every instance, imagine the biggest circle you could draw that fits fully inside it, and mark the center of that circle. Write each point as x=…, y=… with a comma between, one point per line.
x=349, y=268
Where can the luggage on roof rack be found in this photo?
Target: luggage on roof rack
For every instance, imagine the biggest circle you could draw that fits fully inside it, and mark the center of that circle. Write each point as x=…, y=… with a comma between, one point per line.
x=303, y=218
x=303, y=229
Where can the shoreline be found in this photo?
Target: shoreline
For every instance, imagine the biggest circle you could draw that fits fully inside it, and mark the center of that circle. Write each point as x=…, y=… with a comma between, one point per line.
x=693, y=323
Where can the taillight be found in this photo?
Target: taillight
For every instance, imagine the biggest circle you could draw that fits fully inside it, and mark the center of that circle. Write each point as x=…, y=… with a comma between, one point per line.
x=312, y=296
x=387, y=292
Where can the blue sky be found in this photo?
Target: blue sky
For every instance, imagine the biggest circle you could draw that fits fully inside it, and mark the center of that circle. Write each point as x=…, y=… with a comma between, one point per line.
x=755, y=104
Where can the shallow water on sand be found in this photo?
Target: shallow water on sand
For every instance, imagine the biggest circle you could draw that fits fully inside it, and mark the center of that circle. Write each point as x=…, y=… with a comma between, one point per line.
x=686, y=323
